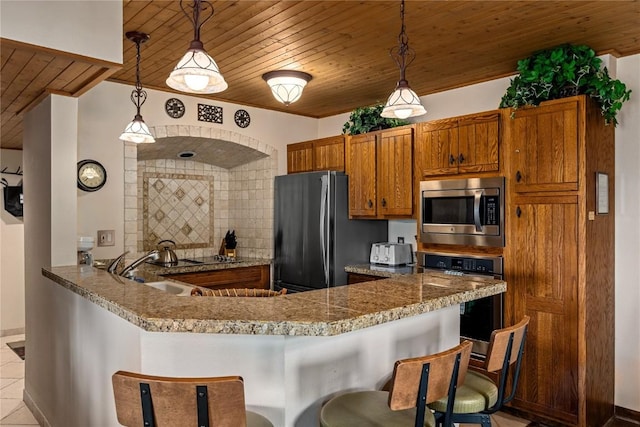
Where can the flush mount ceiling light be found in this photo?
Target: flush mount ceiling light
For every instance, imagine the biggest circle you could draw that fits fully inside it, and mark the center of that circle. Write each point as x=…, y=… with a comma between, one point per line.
x=137, y=131
x=403, y=102
x=197, y=72
x=287, y=85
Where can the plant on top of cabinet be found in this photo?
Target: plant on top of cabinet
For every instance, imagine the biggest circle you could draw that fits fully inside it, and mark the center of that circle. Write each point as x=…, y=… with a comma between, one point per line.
x=367, y=119
x=563, y=71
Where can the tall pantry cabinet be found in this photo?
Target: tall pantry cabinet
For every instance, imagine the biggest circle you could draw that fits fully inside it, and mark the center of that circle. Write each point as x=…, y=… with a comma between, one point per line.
x=559, y=257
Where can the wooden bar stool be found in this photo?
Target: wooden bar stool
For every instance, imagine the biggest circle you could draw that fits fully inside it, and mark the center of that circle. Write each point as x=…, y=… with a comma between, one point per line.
x=415, y=383
x=144, y=400
x=480, y=396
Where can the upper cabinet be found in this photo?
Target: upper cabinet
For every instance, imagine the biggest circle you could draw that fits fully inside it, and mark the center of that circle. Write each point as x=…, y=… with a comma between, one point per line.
x=543, y=147
x=466, y=144
x=316, y=155
x=379, y=165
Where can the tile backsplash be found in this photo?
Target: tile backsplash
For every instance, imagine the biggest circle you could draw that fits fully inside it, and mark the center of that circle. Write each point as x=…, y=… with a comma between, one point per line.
x=180, y=206
x=240, y=199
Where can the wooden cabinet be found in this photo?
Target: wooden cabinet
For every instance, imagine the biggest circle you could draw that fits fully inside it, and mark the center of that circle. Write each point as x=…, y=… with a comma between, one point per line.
x=300, y=157
x=257, y=277
x=559, y=260
x=380, y=165
x=316, y=155
x=457, y=145
x=544, y=148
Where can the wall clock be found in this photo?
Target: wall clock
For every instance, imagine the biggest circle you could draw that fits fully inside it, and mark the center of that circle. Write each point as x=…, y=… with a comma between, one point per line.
x=91, y=175
x=174, y=108
x=242, y=118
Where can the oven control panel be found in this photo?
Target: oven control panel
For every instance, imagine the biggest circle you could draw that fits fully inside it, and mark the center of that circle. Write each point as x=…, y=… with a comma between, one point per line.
x=461, y=263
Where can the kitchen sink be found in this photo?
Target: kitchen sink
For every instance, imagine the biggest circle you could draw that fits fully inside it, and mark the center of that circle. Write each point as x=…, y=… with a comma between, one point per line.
x=171, y=287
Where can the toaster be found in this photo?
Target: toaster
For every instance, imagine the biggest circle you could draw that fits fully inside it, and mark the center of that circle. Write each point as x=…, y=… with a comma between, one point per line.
x=391, y=253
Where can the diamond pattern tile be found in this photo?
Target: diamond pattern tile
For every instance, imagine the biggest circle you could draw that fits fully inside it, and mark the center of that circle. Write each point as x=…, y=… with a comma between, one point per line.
x=178, y=207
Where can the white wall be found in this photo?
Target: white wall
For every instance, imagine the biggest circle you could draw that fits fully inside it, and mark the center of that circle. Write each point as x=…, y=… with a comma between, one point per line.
x=50, y=138
x=11, y=255
x=63, y=25
x=627, y=211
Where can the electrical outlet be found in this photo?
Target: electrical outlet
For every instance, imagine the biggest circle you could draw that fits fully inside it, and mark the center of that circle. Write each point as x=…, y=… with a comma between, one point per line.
x=106, y=238
x=400, y=239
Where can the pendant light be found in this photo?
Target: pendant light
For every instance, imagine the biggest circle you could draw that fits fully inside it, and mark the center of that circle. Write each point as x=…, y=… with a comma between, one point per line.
x=403, y=102
x=287, y=85
x=197, y=72
x=137, y=131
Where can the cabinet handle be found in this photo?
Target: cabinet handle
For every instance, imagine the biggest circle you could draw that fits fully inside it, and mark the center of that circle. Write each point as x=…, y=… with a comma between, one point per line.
x=384, y=202
x=452, y=159
x=461, y=158
x=518, y=211
x=370, y=204
x=518, y=176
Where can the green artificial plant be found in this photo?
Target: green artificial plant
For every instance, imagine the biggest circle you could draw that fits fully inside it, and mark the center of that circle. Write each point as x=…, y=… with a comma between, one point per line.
x=367, y=119
x=565, y=71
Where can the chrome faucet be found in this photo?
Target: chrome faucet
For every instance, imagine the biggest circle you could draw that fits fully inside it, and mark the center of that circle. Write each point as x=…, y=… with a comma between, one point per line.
x=113, y=266
x=154, y=254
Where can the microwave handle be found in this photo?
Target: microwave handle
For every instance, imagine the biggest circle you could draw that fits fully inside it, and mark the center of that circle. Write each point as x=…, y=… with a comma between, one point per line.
x=476, y=210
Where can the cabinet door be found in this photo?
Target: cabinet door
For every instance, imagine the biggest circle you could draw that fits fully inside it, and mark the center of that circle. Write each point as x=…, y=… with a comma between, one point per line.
x=328, y=154
x=542, y=275
x=437, y=148
x=543, y=143
x=361, y=167
x=300, y=157
x=478, y=138
x=394, y=170
x=242, y=277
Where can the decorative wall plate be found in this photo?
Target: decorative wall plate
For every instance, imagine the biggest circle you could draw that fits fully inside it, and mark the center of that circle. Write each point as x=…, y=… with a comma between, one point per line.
x=174, y=108
x=91, y=175
x=209, y=113
x=242, y=118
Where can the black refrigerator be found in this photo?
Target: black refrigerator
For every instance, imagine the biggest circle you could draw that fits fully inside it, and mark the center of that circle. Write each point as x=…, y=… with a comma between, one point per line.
x=314, y=239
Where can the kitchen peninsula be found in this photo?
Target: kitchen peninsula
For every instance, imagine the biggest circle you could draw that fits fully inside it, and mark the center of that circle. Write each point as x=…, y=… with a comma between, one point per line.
x=293, y=351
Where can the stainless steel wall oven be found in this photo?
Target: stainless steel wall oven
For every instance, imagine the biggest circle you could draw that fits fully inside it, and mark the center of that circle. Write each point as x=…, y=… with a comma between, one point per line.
x=462, y=211
x=480, y=317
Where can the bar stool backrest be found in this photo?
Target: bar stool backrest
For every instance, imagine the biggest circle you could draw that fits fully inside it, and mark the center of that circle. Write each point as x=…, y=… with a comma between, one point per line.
x=407, y=373
x=499, y=345
x=179, y=401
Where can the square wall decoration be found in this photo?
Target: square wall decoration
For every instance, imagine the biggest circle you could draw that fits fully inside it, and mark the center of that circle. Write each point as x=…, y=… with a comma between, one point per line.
x=209, y=113
x=177, y=207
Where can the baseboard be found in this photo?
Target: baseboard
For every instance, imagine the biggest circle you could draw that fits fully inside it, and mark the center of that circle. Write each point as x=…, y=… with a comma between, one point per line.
x=37, y=413
x=10, y=332
x=627, y=414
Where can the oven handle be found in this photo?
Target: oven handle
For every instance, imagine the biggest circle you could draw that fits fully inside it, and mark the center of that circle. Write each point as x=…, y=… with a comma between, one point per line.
x=476, y=210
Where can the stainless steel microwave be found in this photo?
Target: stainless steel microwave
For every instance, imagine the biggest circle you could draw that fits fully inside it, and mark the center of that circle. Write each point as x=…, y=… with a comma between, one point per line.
x=462, y=211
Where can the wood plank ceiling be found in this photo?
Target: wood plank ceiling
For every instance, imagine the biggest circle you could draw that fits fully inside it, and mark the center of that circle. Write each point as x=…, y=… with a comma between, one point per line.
x=344, y=45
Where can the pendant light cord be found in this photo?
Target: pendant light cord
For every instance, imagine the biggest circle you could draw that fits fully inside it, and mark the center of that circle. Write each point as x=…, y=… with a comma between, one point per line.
x=138, y=96
x=196, y=8
x=402, y=54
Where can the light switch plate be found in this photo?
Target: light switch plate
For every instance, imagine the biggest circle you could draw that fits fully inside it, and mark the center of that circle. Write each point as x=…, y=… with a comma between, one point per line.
x=106, y=237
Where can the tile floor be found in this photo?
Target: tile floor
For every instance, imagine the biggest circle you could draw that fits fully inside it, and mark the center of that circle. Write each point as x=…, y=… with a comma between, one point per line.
x=13, y=411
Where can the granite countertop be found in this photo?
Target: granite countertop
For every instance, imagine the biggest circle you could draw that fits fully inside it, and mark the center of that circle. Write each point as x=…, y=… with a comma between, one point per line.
x=381, y=271
x=322, y=312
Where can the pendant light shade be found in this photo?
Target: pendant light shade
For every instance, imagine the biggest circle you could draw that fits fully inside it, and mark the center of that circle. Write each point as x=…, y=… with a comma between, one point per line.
x=137, y=131
x=403, y=102
x=197, y=72
x=287, y=85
